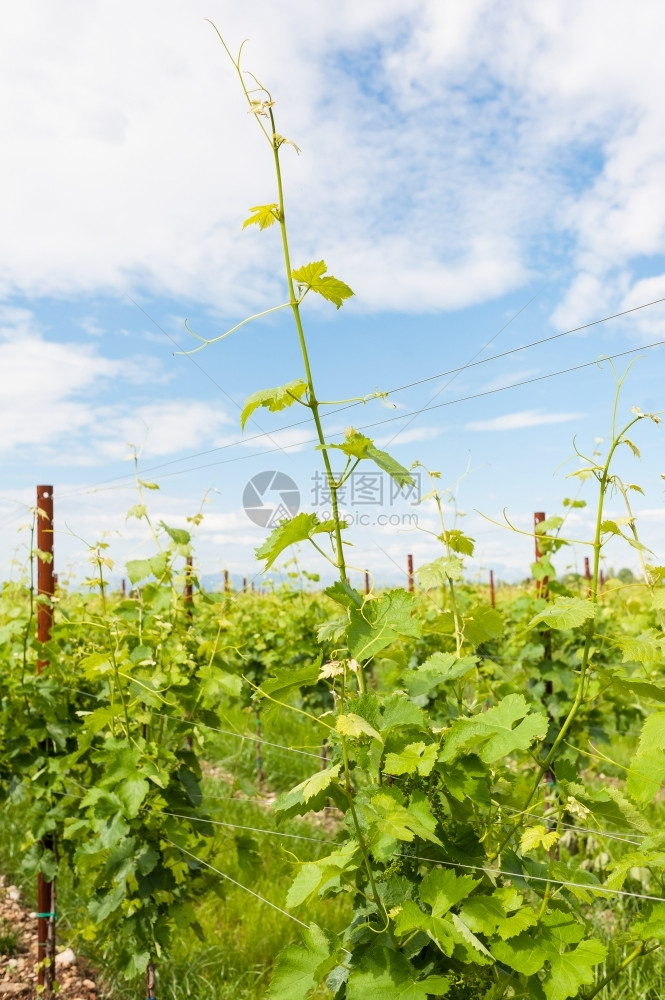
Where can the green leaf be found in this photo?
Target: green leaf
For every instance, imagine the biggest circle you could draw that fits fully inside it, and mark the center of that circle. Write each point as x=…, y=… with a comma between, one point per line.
x=299, y=529
x=525, y=953
x=379, y=622
x=399, y=823
x=313, y=277
x=443, y=889
x=388, y=975
x=653, y=924
x=342, y=593
x=641, y=688
x=287, y=680
x=356, y=445
x=275, y=399
x=314, y=874
x=481, y=624
x=647, y=768
x=319, y=781
x=658, y=598
x=138, y=510
x=416, y=758
x=139, y=569
x=300, y=967
x=263, y=216
x=438, y=572
x=355, y=726
x=646, y=649
x=131, y=793
x=99, y=908
x=491, y=734
x=565, y=612
x=572, y=969
x=459, y=542
x=178, y=535
x=437, y=669
x=538, y=836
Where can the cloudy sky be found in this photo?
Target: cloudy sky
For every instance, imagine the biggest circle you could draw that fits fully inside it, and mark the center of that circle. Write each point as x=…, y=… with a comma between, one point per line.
x=484, y=175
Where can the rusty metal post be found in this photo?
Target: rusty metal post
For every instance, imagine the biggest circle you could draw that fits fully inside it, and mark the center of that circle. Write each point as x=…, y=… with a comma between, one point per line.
x=366, y=582
x=227, y=586
x=45, y=590
x=409, y=570
x=492, y=594
x=150, y=981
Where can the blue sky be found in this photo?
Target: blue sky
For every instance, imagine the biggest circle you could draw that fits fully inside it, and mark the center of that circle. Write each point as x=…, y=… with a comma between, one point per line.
x=482, y=175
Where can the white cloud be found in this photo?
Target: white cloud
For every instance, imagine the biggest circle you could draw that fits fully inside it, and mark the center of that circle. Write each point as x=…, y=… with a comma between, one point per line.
x=441, y=143
x=521, y=420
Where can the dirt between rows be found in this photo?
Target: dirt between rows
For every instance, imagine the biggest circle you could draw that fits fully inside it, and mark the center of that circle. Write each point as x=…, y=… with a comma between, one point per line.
x=18, y=955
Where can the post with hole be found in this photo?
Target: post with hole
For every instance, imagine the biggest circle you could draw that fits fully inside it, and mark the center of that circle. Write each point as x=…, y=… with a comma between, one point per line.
x=45, y=589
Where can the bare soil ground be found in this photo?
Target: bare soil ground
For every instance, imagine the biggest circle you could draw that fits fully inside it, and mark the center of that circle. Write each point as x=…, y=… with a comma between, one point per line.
x=18, y=955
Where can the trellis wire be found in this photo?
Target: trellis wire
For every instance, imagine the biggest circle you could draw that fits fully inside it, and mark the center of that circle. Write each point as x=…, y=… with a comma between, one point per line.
x=257, y=895
x=250, y=829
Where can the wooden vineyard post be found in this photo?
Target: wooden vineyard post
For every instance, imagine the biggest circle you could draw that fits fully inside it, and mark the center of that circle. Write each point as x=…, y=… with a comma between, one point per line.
x=45, y=589
x=366, y=582
x=189, y=588
x=492, y=593
x=409, y=570
x=541, y=585
x=587, y=575
x=150, y=982
x=259, y=758
x=244, y=584
x=227, y=586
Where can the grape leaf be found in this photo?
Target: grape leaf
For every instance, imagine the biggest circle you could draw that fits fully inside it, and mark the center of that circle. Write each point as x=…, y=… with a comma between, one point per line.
x=313, y=277
x=279, y=398
x=491, y=735
x=379, y=622
x=525, y=953
x=388, y=975
x=646, y=649
x=178, y=535
x=354, y=725
x=437, y=669
x=442, y=889
x=538, y=836
x=319, y=781
x=313, y=874
x=139, y=569
x=343, y=593
x=565, y=612
x=647, y=768
x=356, y=445
x=416, y=758
x=572, y=969
x=298, y=529
x=263, y=216
x=300, y=967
